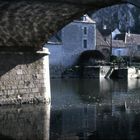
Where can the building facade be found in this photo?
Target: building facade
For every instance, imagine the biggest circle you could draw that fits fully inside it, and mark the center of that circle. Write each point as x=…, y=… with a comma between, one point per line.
x=119, y=44
x=119, y=48
x=67, y=45
x=126, y=45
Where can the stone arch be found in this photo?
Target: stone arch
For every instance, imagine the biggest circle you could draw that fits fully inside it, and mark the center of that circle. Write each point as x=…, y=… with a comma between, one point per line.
x=26, y=25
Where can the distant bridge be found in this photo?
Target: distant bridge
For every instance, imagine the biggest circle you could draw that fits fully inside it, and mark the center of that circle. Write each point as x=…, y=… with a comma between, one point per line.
x=27, y=24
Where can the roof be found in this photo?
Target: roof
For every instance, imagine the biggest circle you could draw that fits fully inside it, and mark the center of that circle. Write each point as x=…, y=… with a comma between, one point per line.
x=100, y=40
x=118, y=44
x=120, y=37
x=115, y=43
x=132, y=38
x=85, y=19
x=121, y=40
x=115, y=32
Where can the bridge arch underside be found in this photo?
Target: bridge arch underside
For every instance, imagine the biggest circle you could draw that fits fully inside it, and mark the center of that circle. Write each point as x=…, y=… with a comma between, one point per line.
x=27, y=25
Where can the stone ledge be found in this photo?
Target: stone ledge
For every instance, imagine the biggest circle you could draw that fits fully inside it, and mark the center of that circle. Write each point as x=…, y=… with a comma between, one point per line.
x=44, y=51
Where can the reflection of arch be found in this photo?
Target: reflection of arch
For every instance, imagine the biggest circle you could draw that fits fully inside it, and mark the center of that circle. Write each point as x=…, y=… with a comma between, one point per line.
x=30, y=23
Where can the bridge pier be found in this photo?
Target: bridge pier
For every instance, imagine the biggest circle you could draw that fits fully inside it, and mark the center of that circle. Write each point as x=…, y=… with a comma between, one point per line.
x=24, y=77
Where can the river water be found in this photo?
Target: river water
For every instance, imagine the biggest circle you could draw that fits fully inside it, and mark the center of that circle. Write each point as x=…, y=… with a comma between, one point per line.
x=95, y=109
x=80, y=110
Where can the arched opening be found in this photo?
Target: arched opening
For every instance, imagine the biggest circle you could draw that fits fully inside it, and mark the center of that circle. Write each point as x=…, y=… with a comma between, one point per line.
x=103, y=43
x=28, y=25
x=83, y=88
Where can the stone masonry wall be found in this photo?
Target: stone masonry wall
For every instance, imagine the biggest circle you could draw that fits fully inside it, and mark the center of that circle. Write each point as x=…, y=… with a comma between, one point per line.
x=22, y=78
x=42, y=18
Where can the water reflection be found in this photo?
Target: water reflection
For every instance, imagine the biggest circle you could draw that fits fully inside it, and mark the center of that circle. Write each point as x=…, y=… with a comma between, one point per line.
x=95, y=109
x=28, y=122
x=80, y=110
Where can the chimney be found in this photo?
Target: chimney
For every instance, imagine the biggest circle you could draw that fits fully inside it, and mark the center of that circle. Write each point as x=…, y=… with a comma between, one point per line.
x=129, y=32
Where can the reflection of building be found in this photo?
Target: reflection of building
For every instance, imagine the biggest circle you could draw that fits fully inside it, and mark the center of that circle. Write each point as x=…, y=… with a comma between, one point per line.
x=94, y=122
x=66, y=46
x=73, y=123
x=133, y=84
x=86, y=112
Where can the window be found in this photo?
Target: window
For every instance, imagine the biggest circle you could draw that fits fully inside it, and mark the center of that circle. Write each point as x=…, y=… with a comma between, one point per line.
x=84, y=18
x=119, y=52
x=85, y=30
x=85, y=43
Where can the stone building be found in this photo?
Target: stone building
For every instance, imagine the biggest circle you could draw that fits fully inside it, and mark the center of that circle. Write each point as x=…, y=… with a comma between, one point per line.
x=102, y=45
x=67, y=45
x=126, y=45
x=133, y=43
x=118, y=44
x=119, y=48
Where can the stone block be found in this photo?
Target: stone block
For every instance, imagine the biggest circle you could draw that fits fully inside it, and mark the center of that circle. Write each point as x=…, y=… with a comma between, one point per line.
x=21, y=74
x=35, y=90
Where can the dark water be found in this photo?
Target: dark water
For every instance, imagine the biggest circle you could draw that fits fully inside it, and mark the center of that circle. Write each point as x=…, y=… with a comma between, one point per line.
x=80, y=110
x=93, y=109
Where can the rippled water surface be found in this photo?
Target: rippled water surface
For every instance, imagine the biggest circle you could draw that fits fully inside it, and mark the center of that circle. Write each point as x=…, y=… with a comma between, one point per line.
x=80, y=110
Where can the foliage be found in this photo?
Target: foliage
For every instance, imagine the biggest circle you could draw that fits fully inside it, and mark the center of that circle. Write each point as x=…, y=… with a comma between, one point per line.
x=136, y=59
x=113, y=58
x=116, y=59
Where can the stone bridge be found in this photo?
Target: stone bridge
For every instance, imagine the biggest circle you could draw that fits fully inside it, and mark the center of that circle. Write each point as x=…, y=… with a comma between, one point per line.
x=29, y=23
x=25, y=25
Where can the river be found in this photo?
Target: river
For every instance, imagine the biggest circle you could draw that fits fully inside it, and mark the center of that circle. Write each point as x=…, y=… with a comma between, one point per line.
x=80, y=110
